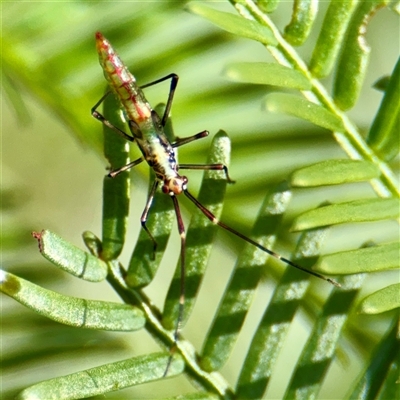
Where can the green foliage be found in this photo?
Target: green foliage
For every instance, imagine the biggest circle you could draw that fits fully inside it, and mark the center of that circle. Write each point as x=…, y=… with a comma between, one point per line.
x=101, y=379
x=70, y=258
x=383, y=300
x=370, y=259
x=89, y=314
x=384, y=130
x=116, y=192
x=54, y=60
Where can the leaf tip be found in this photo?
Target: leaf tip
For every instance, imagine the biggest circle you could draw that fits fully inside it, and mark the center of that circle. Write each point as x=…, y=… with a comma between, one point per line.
x=38, y=236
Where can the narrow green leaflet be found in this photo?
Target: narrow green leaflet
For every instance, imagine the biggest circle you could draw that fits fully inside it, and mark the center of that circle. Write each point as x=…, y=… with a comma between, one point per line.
x=270, y=335
x=268, y=6
x=116, y=148
x=195, y=396
x=82, y=313
x=70, y=258
x=92, y=242
x=200, y=233
x=115, y=213
x=144, y=262
x=383, y=136
x=116, y=191
x=369, y=259
x=353, y=211
x=331, y=37
x=244, y=281
x=303, y=17
x=383, y=300
x=234, y=24
x=334, y=172
x=319, y=351
x=390, y=388
x=104, y=379
x=267, y=74
x=354, y=58
x=14, y=95
x=382, y=83
x=384, y=357
x=304, y=109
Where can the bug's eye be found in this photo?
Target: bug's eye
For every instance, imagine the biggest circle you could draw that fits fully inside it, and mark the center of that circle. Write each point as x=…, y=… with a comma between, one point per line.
x=165, y=189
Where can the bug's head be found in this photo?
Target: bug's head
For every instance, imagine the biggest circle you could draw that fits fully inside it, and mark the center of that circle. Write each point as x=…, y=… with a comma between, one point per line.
x=175, y=185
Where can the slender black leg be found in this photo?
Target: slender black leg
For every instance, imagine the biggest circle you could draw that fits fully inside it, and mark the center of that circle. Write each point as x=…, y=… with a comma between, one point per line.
x=182, y=234
x=215, y=221
x=145, y=214
x=208, y=167
x=104, y=121
x=174, y=82
x=218, y=167
x=180, y=142
x=116, y=172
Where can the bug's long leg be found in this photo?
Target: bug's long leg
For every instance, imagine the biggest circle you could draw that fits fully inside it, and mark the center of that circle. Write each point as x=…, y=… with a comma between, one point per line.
x=143, y=218
x=174, y=82
x=116, y=172
x=182, y=234
x=215, y=220
x=180, y=142
x=208, y=167
x=104, y=121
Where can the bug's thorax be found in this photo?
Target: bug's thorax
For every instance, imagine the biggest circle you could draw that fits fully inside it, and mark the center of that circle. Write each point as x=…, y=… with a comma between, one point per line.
x=160, y=156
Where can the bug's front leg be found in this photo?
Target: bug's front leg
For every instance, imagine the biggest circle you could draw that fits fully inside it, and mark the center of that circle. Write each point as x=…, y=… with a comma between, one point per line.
x=106, y=122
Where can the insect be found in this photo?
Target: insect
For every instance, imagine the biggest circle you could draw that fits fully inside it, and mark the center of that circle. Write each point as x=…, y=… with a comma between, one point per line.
x=147, y=131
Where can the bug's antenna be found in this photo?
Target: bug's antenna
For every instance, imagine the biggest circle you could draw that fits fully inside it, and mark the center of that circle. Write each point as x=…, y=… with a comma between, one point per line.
x=216, y=221
x=182, y=234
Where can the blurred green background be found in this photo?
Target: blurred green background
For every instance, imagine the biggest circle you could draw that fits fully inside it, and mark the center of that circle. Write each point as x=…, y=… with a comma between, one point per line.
x=52, y=167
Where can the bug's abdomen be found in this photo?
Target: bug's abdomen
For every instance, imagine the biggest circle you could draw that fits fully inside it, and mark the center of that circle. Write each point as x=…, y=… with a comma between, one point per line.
x=122, y=82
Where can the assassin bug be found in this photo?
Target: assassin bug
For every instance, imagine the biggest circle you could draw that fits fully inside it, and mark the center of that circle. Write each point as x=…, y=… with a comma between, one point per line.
x=147, y=130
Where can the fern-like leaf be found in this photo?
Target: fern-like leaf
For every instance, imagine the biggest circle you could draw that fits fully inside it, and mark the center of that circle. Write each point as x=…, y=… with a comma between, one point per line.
x=327, y=195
